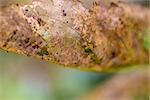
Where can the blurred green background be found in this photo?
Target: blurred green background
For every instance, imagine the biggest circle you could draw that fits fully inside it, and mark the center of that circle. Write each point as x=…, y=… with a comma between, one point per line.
x=25, y=78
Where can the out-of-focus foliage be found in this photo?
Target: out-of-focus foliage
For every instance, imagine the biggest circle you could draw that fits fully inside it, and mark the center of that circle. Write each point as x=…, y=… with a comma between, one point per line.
x=23, y=78
x=128, y=85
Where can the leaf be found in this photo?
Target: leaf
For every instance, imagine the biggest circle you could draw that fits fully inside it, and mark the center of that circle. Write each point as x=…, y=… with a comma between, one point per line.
x=67, y=33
